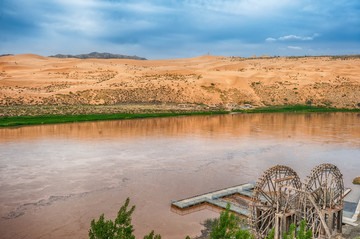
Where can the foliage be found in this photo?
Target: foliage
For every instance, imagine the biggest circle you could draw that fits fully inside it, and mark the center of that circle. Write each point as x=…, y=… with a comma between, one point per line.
x=228, y=227
x=102, y=229
x=291, y=233
x=356, y=180
x=271, y=234
x=120, y=229
x=295, y=108
x=151, y=236
x=208, y=224
x=52, y=119
x=211, y=223
x=243, y=234
x=300, y=234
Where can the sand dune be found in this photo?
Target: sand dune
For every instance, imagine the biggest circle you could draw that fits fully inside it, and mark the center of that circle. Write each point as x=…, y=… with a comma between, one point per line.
x=30, y=79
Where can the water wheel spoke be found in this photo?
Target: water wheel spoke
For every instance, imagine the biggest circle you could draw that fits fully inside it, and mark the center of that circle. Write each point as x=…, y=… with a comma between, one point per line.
x=267, y=197
x=269, y=219
x=264, y=217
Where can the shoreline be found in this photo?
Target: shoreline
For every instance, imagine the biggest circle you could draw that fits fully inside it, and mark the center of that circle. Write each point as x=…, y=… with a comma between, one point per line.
x=296, y=109
x=13, y=121
x=54, y=115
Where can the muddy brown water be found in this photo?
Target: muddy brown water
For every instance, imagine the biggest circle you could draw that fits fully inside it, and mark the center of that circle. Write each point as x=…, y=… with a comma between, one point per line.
x=56, y=178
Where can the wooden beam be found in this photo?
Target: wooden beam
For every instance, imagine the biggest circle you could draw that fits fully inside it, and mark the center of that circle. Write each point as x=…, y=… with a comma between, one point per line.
x=283, y=179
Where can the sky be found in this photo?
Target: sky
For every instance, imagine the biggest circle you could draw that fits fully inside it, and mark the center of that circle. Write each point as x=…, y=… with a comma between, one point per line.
x=168, y=29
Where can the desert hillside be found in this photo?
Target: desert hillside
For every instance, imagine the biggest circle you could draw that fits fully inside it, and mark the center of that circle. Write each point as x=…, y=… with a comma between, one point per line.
x=207, y=80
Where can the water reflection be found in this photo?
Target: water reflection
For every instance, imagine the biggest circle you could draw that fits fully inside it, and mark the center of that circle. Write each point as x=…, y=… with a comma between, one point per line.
x=333, y=127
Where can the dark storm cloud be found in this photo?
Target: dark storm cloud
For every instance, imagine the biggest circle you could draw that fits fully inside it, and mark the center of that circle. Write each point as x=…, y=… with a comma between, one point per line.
x=174, y=28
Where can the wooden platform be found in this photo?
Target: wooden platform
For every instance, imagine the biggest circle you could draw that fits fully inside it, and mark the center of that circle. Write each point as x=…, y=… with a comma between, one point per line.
x=216, y=199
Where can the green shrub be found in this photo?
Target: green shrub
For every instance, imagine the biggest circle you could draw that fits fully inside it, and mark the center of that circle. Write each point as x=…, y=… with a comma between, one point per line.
x=300, y=234
x=228, y=227
x=152, y=236
x=271, y=234
x=120, y=229
x=356, y=180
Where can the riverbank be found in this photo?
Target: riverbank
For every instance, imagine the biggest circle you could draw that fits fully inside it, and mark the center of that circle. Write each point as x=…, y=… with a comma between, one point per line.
x=295, y=108
x=36, y=115
x=54, y=119
x=17, y=116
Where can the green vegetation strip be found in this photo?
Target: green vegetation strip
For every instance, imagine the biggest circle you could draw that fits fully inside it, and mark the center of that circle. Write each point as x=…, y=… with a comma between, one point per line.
x=356, y=180
x=295, y=108
x=53, y=119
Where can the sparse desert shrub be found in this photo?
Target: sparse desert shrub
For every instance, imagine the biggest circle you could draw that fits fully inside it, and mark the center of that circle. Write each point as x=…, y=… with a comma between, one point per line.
x=326, y=102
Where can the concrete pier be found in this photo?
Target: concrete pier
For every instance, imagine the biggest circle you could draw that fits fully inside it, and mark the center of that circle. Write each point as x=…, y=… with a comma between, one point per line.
x=218, y=199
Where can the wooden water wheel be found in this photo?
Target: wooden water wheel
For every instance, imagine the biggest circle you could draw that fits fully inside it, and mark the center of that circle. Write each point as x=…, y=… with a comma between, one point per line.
x=274, y=201
x=323, y=200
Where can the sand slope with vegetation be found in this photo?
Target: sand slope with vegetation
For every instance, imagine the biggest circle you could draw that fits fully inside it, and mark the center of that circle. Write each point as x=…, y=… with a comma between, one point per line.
x=207, y=80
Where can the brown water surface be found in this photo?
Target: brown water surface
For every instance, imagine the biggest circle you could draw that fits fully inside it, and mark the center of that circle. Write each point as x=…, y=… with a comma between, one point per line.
x=56, y=178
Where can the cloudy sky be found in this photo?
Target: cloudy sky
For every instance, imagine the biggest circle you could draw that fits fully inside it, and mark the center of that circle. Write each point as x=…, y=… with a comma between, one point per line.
x=163, y=29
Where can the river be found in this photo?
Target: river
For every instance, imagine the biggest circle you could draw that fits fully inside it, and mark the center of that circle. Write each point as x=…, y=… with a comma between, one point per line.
x=56, y=178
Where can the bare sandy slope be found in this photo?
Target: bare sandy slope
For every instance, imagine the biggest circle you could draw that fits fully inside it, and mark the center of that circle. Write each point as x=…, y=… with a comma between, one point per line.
x=35, y=80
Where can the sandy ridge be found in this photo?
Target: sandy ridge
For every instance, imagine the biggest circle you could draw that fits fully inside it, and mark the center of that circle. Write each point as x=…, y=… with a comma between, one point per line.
x=30, y=79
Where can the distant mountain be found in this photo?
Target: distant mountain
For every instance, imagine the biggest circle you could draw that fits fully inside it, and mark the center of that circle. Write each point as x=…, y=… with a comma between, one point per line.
x=6, y=55
x=97, y=55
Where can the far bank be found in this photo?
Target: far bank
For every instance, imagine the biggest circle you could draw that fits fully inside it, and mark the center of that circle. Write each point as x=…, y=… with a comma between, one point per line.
x=35, y=115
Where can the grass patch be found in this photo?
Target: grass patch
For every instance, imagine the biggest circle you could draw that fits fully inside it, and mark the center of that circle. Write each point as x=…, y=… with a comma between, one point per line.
x=53, y=119
x=295, y=108
x=356, y=180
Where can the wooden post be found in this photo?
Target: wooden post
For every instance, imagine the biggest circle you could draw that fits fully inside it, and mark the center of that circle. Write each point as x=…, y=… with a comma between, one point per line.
x=330, y=221
x=339, y=221
x=322, y=219
x=277, y=226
